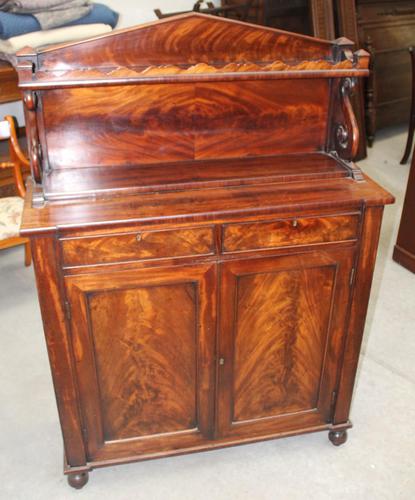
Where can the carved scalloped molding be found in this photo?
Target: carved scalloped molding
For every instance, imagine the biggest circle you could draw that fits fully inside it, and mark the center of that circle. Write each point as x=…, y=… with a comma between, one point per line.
x=197, y=69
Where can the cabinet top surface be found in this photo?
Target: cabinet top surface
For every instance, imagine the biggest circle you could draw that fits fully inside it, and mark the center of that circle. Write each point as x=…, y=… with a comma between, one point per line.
x=219, y=204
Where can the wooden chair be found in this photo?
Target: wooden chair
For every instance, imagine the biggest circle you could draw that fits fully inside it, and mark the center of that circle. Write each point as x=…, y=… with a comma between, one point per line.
x=11, y=208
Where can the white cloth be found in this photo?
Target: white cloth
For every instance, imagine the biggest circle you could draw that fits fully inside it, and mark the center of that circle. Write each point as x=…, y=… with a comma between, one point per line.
x=49, y=37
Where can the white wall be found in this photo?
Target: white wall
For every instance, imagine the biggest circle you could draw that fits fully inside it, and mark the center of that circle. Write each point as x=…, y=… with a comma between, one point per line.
x=131, y=12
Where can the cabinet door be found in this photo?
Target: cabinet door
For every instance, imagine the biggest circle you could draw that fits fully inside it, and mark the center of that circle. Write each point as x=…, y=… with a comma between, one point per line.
x=282, y=325
x=143, y=343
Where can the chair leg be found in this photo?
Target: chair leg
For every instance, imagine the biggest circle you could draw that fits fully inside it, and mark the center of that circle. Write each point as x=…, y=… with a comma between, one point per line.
x=27, y=254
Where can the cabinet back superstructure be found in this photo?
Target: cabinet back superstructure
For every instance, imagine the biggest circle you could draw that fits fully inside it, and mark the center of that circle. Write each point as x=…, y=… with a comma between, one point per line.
x=203, y=245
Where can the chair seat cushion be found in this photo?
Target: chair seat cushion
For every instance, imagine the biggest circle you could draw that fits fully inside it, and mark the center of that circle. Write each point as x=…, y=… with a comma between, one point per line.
x=11, y=210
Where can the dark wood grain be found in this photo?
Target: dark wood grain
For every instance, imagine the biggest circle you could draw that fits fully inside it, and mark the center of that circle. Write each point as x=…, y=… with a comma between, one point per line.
x=181, y=40
x=146, y=363
x=362, y=285
x=180, y=48
x=287, y=334
x=202, y=205
x=301, y=231
x=64, y=183
x=157, y=123
x=59, y=345
x=282, y=321
x=138, y=245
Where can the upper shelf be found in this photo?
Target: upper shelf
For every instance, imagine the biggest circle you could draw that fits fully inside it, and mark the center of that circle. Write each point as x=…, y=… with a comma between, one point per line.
x=187, y=48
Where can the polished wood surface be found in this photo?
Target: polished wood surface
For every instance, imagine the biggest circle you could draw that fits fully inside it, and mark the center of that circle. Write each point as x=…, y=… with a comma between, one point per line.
x=138, y=245
x=404, y=252
x=180, y=40
x=202, y=239
x=159, y=362
x=298, y=231
x=64, y=183
x=280, y=362
x=182, y=122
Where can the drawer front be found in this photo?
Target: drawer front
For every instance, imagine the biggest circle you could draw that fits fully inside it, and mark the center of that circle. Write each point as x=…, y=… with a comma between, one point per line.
x=137, y=245
x=301, y=231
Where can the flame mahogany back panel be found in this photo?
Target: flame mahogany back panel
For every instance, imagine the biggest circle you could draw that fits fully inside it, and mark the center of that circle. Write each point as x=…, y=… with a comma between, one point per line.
x=162, y=123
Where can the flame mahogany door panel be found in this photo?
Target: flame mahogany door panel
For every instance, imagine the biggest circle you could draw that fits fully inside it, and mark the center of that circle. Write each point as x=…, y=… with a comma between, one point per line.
x=283, y=321
x=143, y=344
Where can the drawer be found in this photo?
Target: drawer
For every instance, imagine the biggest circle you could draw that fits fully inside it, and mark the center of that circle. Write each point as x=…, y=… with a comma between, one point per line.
x=104, y=249
x=279, y=233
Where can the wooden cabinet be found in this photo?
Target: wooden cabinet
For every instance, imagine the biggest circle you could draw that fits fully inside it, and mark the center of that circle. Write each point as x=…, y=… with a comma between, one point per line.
x=203, y=245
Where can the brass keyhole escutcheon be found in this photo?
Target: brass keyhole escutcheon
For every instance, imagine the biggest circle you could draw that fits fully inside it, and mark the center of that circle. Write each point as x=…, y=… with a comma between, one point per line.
x=221, y=361
x=294, y=223
x=139, y=237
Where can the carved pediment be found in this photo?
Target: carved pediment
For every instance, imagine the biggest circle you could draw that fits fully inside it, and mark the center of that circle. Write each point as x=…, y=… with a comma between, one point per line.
x=190, y=44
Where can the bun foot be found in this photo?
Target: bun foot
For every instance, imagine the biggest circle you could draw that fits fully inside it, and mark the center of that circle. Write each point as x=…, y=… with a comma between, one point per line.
x=78, y=480
x=338, y=437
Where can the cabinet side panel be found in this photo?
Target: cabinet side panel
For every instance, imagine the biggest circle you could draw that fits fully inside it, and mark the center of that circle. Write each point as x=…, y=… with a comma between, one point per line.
x=59, y=348
x=145, y=351
x=360, y=300
x=280, y=341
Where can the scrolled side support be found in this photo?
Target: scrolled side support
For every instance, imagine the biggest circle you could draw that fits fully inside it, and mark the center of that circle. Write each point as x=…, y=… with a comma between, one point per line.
x=30, y=100
x=347, y=134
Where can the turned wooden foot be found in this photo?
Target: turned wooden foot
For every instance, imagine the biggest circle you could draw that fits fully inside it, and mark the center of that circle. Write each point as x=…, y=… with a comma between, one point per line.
x=78, y=480
x=338, y=437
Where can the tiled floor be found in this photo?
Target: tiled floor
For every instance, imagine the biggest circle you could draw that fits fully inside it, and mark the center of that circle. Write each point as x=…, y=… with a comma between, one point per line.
x=378, y=462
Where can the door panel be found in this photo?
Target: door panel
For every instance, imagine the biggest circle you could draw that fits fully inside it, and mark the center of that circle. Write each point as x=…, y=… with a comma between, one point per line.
x=282, y=322
x=144, y=350
x=145, y=357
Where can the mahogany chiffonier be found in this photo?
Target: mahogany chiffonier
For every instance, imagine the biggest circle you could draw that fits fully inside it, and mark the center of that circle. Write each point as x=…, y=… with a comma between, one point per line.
x=203, y=246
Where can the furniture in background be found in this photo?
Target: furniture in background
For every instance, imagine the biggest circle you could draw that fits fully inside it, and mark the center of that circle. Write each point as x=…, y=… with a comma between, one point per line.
x=411, y=126
x=386, y=31
x=404, y=251
x=9, y=91
x=11, y=207
x=229, y=9
x=314, y=17
x=207, y=285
